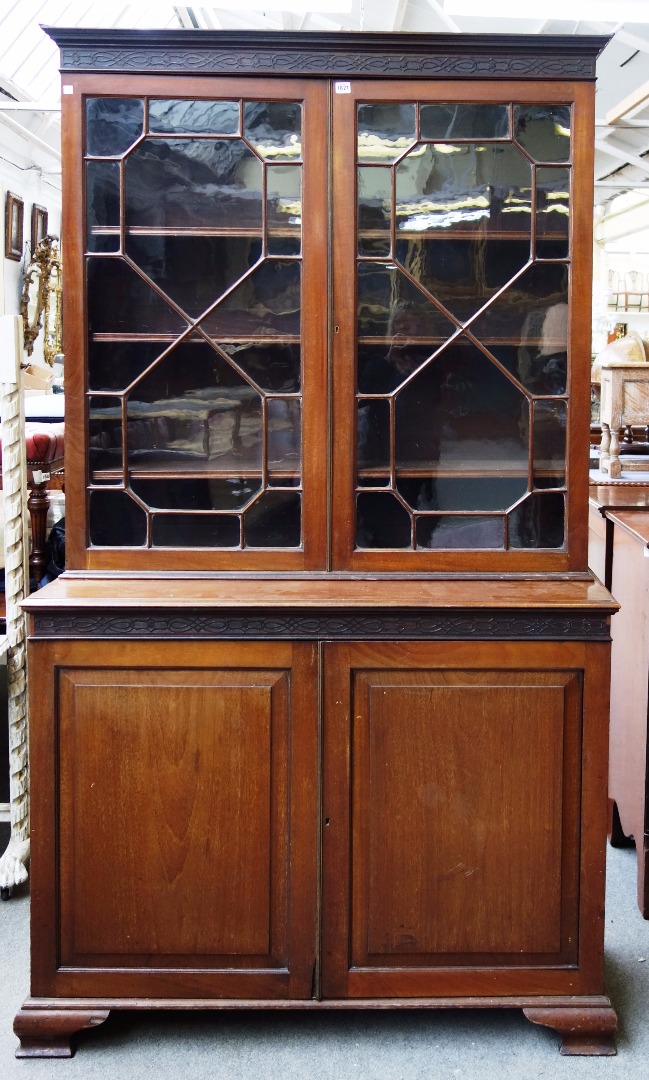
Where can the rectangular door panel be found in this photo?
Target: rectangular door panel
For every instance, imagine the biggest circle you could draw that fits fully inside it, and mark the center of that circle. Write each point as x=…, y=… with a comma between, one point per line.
x=461, y=845
x=187, y=830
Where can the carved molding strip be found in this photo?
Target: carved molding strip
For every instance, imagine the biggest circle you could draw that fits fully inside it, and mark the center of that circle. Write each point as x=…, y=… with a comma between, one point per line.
x=299, y=625
x=214, y=61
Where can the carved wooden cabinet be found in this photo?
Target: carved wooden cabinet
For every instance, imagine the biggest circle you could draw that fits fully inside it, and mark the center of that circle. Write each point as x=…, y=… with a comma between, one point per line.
x=319, y=707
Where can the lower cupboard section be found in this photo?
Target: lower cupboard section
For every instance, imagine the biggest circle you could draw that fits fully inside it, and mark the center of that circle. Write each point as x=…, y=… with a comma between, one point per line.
x=288, y=821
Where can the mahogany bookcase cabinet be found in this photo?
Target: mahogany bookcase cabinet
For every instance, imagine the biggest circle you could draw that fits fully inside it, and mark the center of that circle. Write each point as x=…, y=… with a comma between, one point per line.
x=319, y=707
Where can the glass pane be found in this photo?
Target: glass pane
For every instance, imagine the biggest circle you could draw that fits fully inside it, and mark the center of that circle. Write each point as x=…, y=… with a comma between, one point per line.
x=460, y=532
x=112, y=125
x=544, y=131
x=386, y=298
x=463, y=415
x=549, y=443
x=464, y=188
x=461, y=273
x=180, y=117
x=121, y=302
x=374, y=211
x=232, y=493
x=373, y=434
x=462, y=492
x=284, y=209
x=267, y=302
x=382, y=522
x=193, y=271
x=116, y=520
x=220, y=424
x=273, y=366
x=457, y=121
x=552, y=213
x=193, y=183
x=102, y=205
x=381, y=368
x=274, y=520
x=274, y=129
x=526, y=328
x=284, y=417
x=538, y=522
x=195, y=530
x=384, y=131
x=105, y=438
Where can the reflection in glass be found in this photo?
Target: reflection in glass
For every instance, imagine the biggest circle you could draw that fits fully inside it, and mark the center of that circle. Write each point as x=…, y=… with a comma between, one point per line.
x=284, y=447
x=461, y=273
x=102, y=204
x=549, y=443
x=116, y=520
x=267, y=302
x=196, y=530
x=274, y=129
x=274, y=520
x=275, y=367
x=373, y=434
x=104, y=434
x=531, y=314
x=212, y=493
x=462, y=121
x=121, y=302
x=374, y=211
x=382, y=368
x=193, y=183
x=386, y=296
x=284, y=209
x=112, y=125
x=465, y=186
x=381, y=521
x=462, y=492
x=385, y=130
x=446, y=531
x=552, y=213
x=194, y=271
x=180, y=117
x=220, y=425
x=538, y=522
x=544, y=131
x=463, y=414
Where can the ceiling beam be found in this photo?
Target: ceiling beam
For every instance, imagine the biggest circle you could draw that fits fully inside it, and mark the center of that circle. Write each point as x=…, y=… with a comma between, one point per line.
x=441, y=14
x=608, y=147
x=637, y=99
x=387, y=16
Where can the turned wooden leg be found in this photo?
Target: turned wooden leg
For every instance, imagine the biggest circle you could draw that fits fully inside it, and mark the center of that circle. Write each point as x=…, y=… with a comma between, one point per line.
x=583, y=1030
x=48, y=1032
x=604, y=447
x=614, y=466
x=38, y=504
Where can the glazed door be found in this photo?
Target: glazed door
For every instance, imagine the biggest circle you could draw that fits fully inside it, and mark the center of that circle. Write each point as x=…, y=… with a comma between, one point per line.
x=198, y=355
x=451, y=840
x=185, y=859
x=460, y=235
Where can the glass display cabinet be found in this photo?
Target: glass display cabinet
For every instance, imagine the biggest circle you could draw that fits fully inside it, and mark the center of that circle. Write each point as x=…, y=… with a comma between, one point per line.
x=319, y=707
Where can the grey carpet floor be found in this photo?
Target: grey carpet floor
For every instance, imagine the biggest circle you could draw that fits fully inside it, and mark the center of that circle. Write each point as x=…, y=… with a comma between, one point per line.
x=475, y=1045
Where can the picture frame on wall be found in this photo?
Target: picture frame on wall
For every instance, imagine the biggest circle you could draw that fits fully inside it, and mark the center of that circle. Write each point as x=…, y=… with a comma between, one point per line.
x=14, y=215
x=39, y=225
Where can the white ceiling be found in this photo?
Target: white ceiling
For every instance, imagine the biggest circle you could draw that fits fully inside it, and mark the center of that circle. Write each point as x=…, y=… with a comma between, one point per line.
x=29, y=60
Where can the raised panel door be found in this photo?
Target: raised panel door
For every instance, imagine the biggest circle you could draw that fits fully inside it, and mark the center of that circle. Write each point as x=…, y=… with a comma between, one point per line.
x=452, y=858
x=187, y=830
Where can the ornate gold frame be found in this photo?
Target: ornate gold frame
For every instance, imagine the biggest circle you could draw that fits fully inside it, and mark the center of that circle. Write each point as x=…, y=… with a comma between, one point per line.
x=40, y=302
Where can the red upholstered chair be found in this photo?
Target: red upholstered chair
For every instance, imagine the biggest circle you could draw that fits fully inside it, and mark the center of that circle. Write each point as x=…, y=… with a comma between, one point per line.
x=45, y=444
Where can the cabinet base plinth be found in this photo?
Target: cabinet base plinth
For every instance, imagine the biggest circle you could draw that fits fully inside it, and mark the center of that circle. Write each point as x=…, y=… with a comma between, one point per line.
x=47, y=1032
x=45, y=1026
x=584, y=1031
